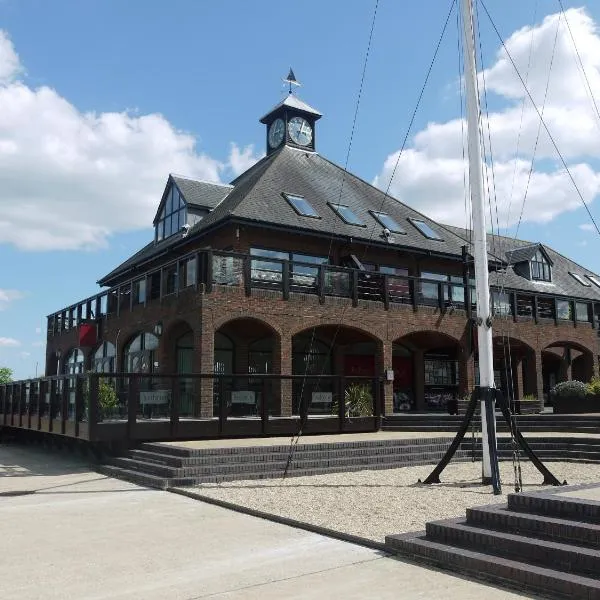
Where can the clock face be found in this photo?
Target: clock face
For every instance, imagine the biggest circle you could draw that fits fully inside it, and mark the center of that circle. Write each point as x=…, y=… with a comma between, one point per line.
x=300, y=131
x=276, y=132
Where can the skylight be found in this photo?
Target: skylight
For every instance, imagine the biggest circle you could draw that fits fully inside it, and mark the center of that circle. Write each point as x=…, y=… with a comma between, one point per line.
x=347, y=215
x=594, y=280
x=388, y=222
x=426, y=230
x=580, y=279
x=301, y=205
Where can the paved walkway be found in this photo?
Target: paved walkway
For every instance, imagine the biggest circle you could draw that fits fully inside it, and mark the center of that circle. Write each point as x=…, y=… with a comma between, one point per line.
x=69, y=533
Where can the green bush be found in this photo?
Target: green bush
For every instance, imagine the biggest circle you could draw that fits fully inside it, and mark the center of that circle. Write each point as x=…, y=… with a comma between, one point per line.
x=359, y=401
x=570, y=389
x=593, y=387
x=107, y=397
x=529, y=397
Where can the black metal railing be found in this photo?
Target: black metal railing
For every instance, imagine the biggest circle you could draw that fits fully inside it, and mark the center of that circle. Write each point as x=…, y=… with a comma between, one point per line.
x=81, y=405
x=210, y=269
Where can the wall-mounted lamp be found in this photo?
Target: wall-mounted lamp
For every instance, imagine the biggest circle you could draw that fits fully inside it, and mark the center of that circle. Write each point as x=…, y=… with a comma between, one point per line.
x=158, y=329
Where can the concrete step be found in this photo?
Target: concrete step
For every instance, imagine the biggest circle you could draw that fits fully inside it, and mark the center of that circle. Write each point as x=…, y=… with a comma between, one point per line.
x=561, y=507
x=241, y=469
x=500, y=518
x=504, y=571
x=133, y=476
x=553, y=555
x=300, y=453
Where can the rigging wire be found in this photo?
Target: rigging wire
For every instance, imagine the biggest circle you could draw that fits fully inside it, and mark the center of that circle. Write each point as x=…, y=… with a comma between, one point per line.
x=564, y=163
x=588, y=89
x=512, y=184
x=294, y=443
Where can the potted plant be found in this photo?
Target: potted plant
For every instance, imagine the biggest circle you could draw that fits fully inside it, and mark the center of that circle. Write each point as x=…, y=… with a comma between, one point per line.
x=572, y=397
x=358, y=401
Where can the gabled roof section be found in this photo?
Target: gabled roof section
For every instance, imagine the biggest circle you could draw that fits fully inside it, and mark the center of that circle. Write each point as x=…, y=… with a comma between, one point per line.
x=201, y=194
x=563, y=284
x=525, y=254
x=292, y=101
x=196, y=193
x=257, y=198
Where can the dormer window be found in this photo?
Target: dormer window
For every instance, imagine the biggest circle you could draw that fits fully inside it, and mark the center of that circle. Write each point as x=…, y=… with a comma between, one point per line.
x=173, y=215
x=540, y=268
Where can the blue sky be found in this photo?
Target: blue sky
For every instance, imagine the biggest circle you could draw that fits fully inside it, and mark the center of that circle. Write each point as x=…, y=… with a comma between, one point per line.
x=82, y=166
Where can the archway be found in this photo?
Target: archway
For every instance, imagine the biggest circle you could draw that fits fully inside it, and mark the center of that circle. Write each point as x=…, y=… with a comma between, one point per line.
x=427, y=367
x=566, y=360
x=514, y=368
x=243, y=347
x=334, y=351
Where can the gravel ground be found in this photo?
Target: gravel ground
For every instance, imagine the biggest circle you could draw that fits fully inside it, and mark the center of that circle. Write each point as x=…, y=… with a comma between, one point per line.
x=373, y=504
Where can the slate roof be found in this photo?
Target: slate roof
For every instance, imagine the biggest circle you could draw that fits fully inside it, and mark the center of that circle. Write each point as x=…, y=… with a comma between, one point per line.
x=201, y=194
x=293, y=102
x=562, y=283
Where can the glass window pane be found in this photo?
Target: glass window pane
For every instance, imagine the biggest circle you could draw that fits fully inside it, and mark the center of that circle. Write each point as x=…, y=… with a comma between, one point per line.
x=313, y=260
x=393, y=270
x=426, y=230
x=135, y=344
x=580, y=279
x=563, y=309
x=347, y=214
x=594, y=280
x=581, y=311
x=190, y=272
x=435, y=276
x=150, y=341
x=388, y=222
x=301, y=205
x=169, y=203
x=269, y=253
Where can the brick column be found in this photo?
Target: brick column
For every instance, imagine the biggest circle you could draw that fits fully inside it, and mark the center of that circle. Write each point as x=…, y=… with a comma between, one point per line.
x=282, y=389
x=517, y=377
x=535, y=378
x=204, y=356
x=419, y=380
x=466, y=372
x=383, y=361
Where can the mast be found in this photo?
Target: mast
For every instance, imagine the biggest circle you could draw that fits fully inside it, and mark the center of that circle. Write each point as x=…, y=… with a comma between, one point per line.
x=484, y=318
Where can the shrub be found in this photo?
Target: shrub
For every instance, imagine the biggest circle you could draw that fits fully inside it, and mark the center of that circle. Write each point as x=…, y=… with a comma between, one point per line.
x=359, y=401
x=570, y=389
x=529, y=397
x=593, y=387
x=107, y=397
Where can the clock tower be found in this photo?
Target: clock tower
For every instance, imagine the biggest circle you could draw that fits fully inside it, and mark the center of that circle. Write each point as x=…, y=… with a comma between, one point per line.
x=291, y=122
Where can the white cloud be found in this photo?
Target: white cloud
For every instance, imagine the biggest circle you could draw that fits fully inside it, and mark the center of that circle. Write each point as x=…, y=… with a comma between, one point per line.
x=8, y=296
x=6, y=342
x=10, y=65
x=430, y=174
x=70, y=179
x=587, y=227
x=241, y=160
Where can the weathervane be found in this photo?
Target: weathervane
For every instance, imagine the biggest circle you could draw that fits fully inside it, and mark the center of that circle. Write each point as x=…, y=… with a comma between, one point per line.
x=291, y=79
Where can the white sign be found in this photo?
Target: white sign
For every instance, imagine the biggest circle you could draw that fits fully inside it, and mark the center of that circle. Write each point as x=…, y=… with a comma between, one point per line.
x=155, y=397
x=322, y=397
x=243, y=397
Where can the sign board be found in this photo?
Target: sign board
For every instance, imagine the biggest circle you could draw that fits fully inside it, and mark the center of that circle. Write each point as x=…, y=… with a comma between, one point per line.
x=389, y=374
x=243, y=397
x=322, y=397
x=155, y=397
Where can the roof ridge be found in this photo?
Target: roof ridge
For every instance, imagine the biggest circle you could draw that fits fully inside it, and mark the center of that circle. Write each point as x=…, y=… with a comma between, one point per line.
x=200, y=180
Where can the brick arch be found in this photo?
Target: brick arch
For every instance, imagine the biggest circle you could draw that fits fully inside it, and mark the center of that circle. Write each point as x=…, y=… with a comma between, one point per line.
x=451, y=339
x=320, y=324
x=226, y=320
x=167, y=346
x=565, y=343
x=515, y=342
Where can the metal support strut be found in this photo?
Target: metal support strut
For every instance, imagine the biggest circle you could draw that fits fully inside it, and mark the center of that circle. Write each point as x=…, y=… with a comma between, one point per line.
x=489, y=395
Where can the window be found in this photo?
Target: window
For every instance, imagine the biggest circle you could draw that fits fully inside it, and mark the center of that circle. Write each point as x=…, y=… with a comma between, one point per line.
x=104, y=358
x=304, y=268
x=452, y=291
x=139, y=354
x=426, y=230
x=388, y=222
x=173, y=215
x=540, y=269
x=594, y=280
x=190, y=268
x=501, y=303
x=347, y=215
x=582, y=311
x=564, y=310
x=440, y=371
x=139, y=291
x=74, y=363
x=301, y=205
x=580, y=279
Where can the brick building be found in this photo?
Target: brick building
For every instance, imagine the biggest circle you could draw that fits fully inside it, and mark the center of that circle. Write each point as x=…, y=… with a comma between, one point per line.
x=298, y=267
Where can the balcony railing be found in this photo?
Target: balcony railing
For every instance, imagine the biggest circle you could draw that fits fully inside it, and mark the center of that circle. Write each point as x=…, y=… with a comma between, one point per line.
x=211, y=269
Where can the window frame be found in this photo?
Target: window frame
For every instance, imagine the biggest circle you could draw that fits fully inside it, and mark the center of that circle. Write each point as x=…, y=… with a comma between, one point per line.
x=540, y=265
x=377, y=214
x=414, y=222
x=579, y=279
x=289, y=198
x=334, y=208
